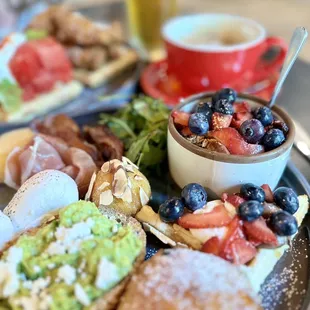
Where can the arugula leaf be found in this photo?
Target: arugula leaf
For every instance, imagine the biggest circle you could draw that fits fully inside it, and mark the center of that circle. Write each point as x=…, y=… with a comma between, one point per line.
x=10, y=96
x=35, y=34
x=142, y=126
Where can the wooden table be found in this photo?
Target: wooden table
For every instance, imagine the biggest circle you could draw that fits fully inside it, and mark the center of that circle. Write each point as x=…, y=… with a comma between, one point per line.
x=280, y=17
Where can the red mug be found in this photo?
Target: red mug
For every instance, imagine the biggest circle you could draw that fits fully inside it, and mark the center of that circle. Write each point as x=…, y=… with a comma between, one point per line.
x=212, y=51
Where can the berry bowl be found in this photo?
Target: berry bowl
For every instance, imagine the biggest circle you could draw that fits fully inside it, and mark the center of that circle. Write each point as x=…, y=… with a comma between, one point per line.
x=225, y=160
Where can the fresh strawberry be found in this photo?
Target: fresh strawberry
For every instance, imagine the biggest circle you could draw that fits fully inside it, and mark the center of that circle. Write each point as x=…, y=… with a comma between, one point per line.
x=268, y=192
x=241, y=107
x=254, y=242
x=234, y=142
x=234, y=232
x=218, y=217
x=239, y=118
x=242, y=251
x=259, y=231
x=181, y=118
x=233, y=199
x=220, y=120
x=186, y=132
x=212, y=246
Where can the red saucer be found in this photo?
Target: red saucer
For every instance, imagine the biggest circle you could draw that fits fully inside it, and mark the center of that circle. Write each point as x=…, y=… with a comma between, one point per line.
x=157, y=83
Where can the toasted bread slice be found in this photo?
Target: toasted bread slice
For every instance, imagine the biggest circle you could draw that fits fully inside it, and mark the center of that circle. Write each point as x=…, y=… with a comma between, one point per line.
x=59, y=96
x=95, y=78
x=110, y=299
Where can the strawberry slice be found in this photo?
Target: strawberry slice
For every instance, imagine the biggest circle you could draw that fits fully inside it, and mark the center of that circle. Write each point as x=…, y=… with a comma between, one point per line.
x=220, y=120
x=268, y=192
x=239, y=118
x=254, y=242
x=234, y=142
x=212, y=246
x=234, y=232
x=241, y=107
x=242, y=251
x=186, y=132
x=233, y=199
x=259, y=231
x=218, y=217
x=181, y=118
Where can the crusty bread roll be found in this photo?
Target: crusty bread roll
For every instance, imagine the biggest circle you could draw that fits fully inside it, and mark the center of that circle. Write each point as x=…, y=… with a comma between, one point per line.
x=10, y=140
x=178, y=279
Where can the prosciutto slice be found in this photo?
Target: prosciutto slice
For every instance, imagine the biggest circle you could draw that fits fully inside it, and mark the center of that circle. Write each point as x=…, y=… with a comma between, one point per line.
x=47, y=152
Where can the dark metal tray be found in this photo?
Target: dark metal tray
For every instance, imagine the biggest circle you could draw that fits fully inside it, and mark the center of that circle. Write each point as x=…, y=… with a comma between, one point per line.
x=287, y=287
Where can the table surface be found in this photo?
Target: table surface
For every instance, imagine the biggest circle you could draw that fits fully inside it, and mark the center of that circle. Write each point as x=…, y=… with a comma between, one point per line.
x=280, y=17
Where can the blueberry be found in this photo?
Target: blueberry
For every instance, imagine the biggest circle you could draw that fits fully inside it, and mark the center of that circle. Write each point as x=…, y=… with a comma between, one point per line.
x=226, y=93
x=286, y=199
x=283, y=223
x=273, y=138
x=264, y=115
x=252, y=130
x=198, y=124
x=280, y=125
x=250, y=191
x=205, y=108
x=194, y=196
x=171, y=210
x=250, y=210
x=223, y=106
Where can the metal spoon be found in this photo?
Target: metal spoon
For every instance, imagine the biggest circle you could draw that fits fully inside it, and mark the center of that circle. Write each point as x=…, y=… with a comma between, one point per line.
x=297, y=41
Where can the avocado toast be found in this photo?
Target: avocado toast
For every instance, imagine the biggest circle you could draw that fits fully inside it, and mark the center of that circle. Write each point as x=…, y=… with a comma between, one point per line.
x=80, y=259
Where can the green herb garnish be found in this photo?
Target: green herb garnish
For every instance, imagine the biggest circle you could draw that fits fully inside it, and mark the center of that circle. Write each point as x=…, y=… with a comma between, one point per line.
x=35, y=34
x=10, y=96
x=142, y=126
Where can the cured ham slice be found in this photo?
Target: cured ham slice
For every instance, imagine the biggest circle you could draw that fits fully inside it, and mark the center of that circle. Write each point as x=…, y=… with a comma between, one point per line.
x=64, y=127
x=85, y=165
x=47, y=152
x=38, y=157
x=12, y=169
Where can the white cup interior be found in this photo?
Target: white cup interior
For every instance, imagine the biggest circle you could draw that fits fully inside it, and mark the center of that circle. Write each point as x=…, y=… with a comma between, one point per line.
x=213, y=32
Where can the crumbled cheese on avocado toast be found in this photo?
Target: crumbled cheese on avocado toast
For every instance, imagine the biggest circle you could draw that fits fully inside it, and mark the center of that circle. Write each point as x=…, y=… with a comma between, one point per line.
x=68, y=263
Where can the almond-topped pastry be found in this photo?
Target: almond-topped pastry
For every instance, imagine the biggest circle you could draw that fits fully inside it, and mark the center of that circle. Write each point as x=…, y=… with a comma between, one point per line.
x=178, y=279
x=251, y=228
x=121, y=185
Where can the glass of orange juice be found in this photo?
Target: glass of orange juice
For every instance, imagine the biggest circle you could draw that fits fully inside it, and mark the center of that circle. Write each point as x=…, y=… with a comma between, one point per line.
x=146, y=18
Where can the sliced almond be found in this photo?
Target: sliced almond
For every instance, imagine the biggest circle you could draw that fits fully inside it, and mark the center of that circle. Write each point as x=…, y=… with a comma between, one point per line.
x=127, y=196
x=138, y=177
x=103, y=186
x=163, y=238
x=119, y=183
x=129, y=183
x=110, y=165
x=116, y=164
x=128, y=167
x=106, y=167
x=106, y=198
x=144, y=198
x=91, y=186
x=129, y=162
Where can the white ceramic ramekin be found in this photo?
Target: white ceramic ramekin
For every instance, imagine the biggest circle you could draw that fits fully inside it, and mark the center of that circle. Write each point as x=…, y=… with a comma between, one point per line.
x=224, y=172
